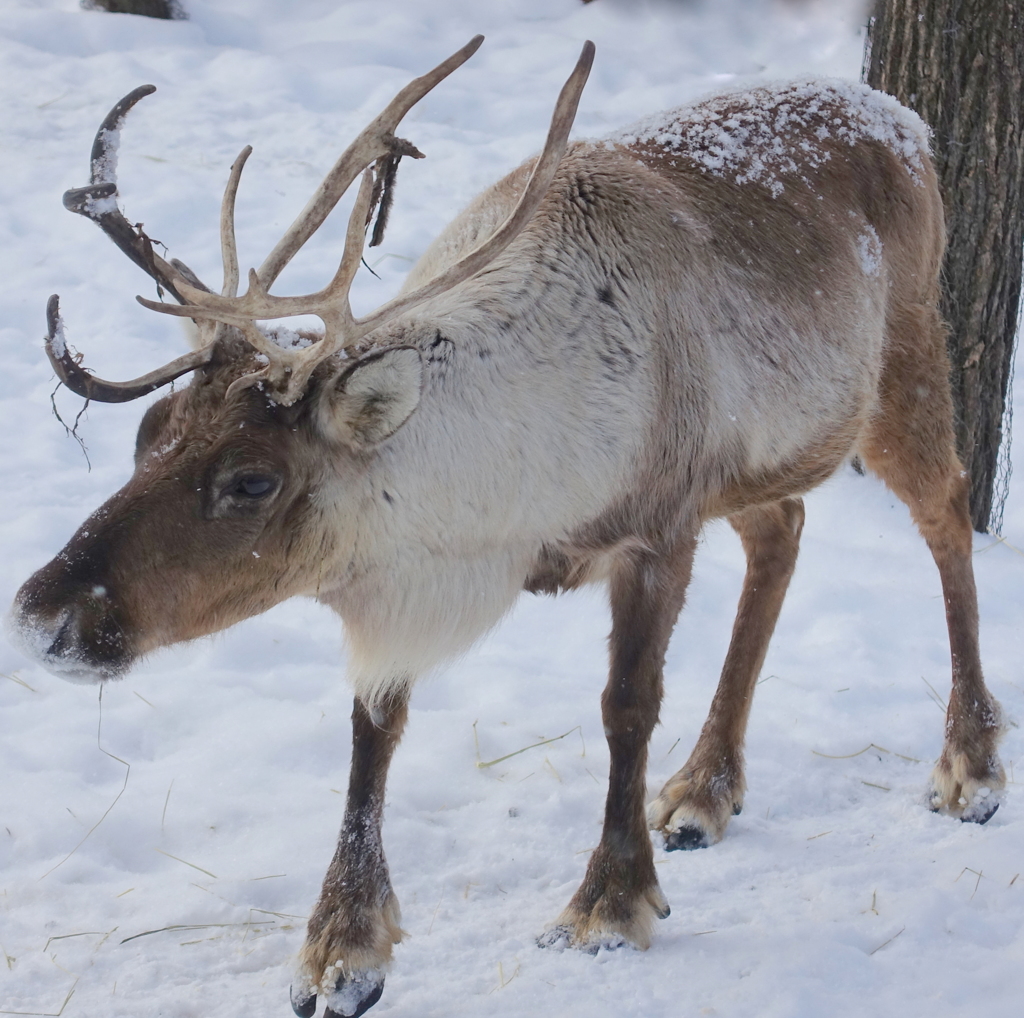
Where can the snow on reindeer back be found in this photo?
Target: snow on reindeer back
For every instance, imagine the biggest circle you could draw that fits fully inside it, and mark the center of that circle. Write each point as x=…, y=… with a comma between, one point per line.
x=769, y=132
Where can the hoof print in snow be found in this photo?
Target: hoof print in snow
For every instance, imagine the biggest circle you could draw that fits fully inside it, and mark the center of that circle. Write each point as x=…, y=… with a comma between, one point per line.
x=685, y=839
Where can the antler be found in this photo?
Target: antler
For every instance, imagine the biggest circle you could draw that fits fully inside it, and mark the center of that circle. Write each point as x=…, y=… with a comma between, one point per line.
x=289, y=370
x=97, y=202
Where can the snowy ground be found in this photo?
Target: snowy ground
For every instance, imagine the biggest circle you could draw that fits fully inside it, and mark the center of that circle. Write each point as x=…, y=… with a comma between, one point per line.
x=218, y=769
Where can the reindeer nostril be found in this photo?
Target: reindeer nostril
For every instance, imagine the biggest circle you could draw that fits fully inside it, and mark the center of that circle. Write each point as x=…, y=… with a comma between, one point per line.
x=62, y=639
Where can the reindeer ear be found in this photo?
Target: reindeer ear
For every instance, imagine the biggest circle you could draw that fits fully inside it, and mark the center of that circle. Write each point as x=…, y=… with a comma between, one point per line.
x=372, y=398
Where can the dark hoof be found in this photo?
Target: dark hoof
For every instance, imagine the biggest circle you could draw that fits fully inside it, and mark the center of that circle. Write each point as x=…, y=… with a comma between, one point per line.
x=663, y=913
x=737, y=808
x=303, y=1002
x=351, y=998
x=685, y=839
x=982, y=813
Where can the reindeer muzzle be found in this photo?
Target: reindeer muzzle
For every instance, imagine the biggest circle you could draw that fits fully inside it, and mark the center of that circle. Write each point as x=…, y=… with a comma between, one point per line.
x=70, y=627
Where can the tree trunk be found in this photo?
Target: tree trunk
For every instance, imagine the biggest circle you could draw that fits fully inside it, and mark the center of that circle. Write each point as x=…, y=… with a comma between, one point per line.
x=960, y=65
x=170, y=10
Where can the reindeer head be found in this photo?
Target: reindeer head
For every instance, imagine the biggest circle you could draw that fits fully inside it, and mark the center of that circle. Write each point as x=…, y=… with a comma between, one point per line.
x=246, y=487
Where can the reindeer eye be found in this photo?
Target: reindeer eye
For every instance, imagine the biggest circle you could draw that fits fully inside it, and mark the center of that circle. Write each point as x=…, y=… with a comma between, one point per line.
x=252, y=487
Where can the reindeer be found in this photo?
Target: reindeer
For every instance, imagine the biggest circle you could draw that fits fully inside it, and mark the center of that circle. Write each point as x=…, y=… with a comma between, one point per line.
x=702, y=316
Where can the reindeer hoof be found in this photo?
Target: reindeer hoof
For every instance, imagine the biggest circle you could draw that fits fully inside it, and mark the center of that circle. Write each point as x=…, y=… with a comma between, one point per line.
x=350, y=998
x=563, y=936
x=558, y=937
x=980, y=812
x=686, y=838
x=979, y=818
x=303, y=1002
x=353, y=997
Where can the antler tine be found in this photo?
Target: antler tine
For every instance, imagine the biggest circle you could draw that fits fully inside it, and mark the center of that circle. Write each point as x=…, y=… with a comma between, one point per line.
x=83, y=383
x=228, y=249
x=540, y=181
x=376, y=140
x=103, y=157
x=335, y=296
x=98, y=202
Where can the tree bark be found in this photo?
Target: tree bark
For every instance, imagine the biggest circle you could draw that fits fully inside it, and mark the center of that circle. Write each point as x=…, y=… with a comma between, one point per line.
x=960, y=65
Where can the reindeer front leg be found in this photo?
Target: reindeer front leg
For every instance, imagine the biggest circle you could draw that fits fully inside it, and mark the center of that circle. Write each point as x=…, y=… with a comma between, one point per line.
x=620, y=897
x=356, y=920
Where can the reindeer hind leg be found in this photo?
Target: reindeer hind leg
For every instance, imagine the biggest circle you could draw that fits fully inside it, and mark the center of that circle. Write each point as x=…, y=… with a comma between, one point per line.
x=694, y=807
x=910, y=446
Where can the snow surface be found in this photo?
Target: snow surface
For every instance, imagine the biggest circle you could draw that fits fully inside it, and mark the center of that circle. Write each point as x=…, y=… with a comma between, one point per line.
x=216, y=778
